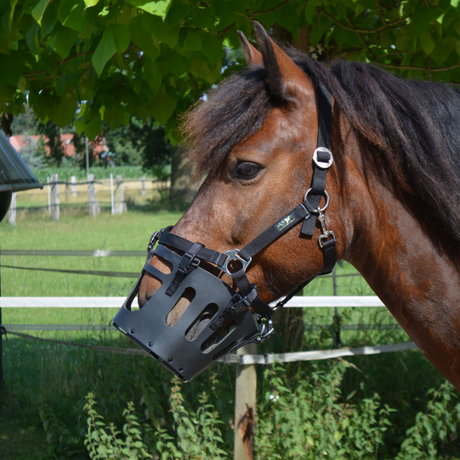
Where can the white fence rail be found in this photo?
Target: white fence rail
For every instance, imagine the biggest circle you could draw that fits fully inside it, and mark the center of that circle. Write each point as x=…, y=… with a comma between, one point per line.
x=117, y=302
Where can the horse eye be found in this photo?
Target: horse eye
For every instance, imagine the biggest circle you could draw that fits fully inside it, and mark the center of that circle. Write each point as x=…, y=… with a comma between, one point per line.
x=247, y=170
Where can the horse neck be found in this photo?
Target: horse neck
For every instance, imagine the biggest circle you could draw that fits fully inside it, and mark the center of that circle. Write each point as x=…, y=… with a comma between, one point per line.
x=404, y=264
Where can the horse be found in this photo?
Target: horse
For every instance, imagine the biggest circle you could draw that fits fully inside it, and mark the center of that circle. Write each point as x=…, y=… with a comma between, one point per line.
x=394, y=185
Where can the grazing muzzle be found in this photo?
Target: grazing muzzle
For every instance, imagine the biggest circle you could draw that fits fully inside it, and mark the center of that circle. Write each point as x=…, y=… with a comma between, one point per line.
x=217, y=317
x=216, y=321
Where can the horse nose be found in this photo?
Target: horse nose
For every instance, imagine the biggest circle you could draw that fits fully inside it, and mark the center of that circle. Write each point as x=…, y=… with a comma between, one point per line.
x=150, y=284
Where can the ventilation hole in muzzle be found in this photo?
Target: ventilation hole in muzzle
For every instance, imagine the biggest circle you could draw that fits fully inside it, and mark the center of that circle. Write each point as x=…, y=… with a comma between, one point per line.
x=161, y=264
x=180, y=306
x=218, y=336
x=201, y=322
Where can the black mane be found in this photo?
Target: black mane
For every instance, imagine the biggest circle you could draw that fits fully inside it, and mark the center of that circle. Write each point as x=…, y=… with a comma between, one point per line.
x=410, y=128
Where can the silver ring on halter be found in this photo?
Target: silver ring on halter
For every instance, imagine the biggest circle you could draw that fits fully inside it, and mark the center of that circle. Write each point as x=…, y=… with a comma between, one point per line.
x=319, y=209
x=322, y=164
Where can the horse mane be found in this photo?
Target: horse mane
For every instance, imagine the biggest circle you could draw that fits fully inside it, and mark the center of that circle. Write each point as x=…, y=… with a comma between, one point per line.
x=410, y=129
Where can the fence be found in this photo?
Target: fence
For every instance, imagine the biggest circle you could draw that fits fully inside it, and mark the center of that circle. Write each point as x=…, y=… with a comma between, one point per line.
x=246, y=358
x=111, y=194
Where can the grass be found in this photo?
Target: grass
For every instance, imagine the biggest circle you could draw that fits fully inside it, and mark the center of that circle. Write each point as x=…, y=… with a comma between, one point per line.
x=45, y=384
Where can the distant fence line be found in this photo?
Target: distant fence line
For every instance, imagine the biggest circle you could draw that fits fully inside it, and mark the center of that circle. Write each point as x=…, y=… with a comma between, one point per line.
x=117, y=201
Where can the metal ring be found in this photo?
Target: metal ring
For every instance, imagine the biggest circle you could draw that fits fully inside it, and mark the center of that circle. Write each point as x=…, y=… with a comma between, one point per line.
x=319, y=209
x=321, y=164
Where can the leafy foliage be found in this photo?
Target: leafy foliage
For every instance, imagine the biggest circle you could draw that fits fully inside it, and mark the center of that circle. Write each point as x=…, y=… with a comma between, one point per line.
x=109, y=59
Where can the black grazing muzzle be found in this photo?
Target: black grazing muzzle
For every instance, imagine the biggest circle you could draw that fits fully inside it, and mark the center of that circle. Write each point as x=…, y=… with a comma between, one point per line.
x=219, y=318
x=216, y=321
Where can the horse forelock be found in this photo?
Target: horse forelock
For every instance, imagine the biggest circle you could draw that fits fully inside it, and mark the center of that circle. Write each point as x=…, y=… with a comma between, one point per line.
x=411, y=128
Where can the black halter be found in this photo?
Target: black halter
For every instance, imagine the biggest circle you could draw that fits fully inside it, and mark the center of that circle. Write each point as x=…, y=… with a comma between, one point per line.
x=235, y=262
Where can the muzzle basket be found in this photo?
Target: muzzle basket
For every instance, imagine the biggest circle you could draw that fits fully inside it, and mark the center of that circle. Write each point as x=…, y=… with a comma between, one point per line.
x=189, y=346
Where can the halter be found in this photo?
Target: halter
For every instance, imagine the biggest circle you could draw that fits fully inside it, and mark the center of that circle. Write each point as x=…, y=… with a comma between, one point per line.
x=225, y=318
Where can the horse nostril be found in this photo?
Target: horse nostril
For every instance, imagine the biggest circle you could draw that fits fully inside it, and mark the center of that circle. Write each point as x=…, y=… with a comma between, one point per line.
x=149, y=285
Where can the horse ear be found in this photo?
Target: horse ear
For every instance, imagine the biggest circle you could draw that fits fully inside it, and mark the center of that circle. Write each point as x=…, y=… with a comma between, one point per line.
x=284, y=78
x=252, y=56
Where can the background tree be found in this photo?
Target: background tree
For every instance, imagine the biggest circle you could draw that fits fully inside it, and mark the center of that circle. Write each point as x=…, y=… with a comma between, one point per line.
x=152, y=58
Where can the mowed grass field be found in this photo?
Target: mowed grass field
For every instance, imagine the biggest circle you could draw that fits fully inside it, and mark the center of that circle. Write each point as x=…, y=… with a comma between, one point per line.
x=40, y=375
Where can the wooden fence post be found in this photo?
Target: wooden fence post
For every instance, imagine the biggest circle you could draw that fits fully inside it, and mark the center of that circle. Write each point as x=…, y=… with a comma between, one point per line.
x=73, y=179
x=54, y=197
x=67, y=192
x=120, y=204
x=12, y=210
x=93, y=204
x=245, y=406
x=143, y=191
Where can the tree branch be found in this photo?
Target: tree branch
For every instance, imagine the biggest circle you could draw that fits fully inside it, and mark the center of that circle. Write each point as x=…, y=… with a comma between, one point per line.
x=271, y=10
x=411, y=67
x=384, y=28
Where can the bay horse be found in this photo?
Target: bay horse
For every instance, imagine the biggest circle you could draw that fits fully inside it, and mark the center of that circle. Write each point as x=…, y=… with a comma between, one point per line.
x=394, y=185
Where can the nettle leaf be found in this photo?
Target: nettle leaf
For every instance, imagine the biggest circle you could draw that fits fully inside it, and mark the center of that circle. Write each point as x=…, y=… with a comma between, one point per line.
x=39, y=9
x=114, y=39
x=62, y=40
x=157, y=7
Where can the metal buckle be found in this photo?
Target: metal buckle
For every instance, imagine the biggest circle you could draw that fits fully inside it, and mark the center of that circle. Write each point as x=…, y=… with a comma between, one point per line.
x=265, y=330
x=319, y=210
x=322, y=164
x=234, y=255
x=325, y=236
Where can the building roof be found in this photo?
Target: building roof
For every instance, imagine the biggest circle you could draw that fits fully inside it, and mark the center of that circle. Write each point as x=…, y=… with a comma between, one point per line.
x=15, y=175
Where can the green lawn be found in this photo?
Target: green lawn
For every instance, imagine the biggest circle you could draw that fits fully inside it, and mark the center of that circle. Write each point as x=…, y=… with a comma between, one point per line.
x=41, y=414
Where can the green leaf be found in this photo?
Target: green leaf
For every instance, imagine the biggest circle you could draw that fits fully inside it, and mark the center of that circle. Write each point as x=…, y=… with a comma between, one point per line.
x=62, y=40
x=89, y=122
x=163, y=106
x=152, y=75
x=176, y=13
x=75, y=14
x=310, y=10
x=204, y=18
x=39, y=9
x=427, y=43
x=421, y=19
x=193, y=41
x=157, y=7
x=63, y=113
x=146, y=42
x=212, y=49
x=32, y=38
x=154, y=24
x=114, y=39
x=90, y=3
x=11, y=68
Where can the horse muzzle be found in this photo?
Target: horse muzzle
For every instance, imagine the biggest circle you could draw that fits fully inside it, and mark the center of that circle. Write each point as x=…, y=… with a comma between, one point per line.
x=217, y=319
